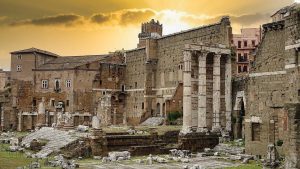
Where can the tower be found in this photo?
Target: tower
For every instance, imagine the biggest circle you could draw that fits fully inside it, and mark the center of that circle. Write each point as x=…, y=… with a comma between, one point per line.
x=150, y=29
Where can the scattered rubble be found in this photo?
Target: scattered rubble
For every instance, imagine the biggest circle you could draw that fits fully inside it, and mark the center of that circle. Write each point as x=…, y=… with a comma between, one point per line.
x=154, y=121
x=56, y=139
x=82, y=128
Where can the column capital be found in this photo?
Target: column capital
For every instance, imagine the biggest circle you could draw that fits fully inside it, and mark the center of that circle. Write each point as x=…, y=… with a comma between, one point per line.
x=187, y=55
x=217, y=55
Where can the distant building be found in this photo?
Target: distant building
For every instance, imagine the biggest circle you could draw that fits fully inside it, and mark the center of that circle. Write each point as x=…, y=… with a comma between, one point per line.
x=245, y=44
x=4, y=79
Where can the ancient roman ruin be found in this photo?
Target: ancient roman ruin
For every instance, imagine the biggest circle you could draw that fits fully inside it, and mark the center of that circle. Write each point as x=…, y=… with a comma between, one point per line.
x=204, y=73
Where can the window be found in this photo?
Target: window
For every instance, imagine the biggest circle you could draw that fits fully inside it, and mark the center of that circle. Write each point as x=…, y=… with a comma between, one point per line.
x=67, y=103
x=245, y=43
x=239, y=44
x=44, y=84
x=255, y=131
x=253, y=43
x=135, y=84
x=68, y=83
x=34, y=102
x=143, y=105
x=19, y=68
x=239, y=69
x=123, y=88
x=57, y=84
x=246, y=56
x=19, y=57
x=52, y=103
x=245, y=69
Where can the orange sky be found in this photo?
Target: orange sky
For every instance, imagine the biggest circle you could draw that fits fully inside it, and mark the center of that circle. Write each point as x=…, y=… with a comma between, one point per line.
x=78, y=27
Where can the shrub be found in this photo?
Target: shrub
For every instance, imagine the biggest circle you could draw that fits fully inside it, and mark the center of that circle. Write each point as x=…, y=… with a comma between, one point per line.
x=172, y=116
x=279, y=143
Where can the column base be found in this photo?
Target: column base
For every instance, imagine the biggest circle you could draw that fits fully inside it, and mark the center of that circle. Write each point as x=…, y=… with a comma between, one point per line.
x=202, y=130
x=185, y=130
x=216, y=129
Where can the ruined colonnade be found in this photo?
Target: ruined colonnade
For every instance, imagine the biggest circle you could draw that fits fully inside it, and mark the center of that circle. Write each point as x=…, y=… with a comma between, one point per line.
x=195, y=88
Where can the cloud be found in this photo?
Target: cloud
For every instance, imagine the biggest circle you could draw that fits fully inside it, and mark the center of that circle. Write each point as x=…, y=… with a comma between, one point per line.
x=136, y=16
x=244, y=20
x=123, y=17
x=61, y=19
x=101, y=18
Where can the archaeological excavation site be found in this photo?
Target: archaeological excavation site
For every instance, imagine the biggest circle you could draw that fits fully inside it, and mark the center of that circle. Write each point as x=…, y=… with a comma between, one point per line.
x=198, y=98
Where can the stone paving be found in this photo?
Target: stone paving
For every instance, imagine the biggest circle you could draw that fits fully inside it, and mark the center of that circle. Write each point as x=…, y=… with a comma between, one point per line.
x=203, y=162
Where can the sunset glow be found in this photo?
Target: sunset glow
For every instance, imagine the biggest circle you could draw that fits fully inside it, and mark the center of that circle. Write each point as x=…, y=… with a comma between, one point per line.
x=77, y=27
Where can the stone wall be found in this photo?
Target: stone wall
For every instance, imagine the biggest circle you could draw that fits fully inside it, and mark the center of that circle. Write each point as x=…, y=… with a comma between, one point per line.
x=163, y=72
x=266, y=94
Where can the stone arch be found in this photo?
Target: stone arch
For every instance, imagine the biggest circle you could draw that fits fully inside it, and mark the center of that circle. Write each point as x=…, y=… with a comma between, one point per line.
x=164, y=110
x=239, y=114
x=157, y=112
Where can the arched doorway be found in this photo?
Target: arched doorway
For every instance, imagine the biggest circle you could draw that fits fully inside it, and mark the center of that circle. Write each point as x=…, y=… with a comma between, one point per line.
x=157, y=113
x=164, y=110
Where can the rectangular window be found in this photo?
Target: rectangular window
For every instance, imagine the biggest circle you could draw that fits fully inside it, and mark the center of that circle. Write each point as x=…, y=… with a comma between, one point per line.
x=239, y=69
x=67, y=103
x=52, y=103
x=245, y=43
x=68, y=83
x=19, y=57
x=239, y=44
x=44, y=84
x=253, y=43
x=246, y=56
x=19, y=68
x=255, y=131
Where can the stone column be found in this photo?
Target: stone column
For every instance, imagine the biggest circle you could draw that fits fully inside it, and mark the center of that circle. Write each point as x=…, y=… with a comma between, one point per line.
x=115, y=116
x=187, y=104
x=216, y=92
x=20, y=121
x=228, y=88
x=2, y=118
x=202, y=93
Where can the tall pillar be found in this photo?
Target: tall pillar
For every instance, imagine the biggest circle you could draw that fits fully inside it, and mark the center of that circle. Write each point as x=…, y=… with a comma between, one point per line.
x=202, y=93
x=216, y=92
x=228, y=89
x=20, y=123
x=187, y=104
x=115, y=116
x=2, y=117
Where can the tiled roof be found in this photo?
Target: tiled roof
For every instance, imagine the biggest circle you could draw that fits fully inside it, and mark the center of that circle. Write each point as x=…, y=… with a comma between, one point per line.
x=70, y=62
x=30, y=50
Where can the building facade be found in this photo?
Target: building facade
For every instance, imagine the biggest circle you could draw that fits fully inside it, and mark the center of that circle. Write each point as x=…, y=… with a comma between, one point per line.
x=245, y=44
x=272, y=115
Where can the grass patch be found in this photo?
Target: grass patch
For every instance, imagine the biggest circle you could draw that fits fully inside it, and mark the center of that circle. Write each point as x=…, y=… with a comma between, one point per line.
x=251, y=165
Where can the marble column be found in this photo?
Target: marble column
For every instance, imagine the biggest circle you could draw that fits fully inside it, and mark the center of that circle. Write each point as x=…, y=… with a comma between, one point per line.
x=216, y=92
x=228, y=88
x=187, y=104
x=202, y=93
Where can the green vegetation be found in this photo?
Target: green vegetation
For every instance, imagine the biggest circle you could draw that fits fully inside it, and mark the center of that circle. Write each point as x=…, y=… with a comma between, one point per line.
x=279, y=143
x=252, y=165
x=173, y=116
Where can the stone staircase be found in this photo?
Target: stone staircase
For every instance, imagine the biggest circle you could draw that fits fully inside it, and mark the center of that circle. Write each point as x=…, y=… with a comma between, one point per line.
x=57, y=139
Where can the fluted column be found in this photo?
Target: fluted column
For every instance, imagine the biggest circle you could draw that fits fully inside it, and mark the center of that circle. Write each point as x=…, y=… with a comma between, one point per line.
x=187, y=104
x=228, y=88
x=216, y=93
x=202, y=93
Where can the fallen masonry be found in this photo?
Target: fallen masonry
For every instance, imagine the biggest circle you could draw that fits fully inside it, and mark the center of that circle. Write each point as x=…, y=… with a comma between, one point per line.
x=56, y=139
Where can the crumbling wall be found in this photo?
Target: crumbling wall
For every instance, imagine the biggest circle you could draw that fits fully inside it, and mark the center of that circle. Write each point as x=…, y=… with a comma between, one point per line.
x=266, y=92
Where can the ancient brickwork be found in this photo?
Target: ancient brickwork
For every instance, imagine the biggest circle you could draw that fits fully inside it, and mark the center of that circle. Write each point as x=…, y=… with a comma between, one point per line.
x=160, y=65
x=272, y=84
